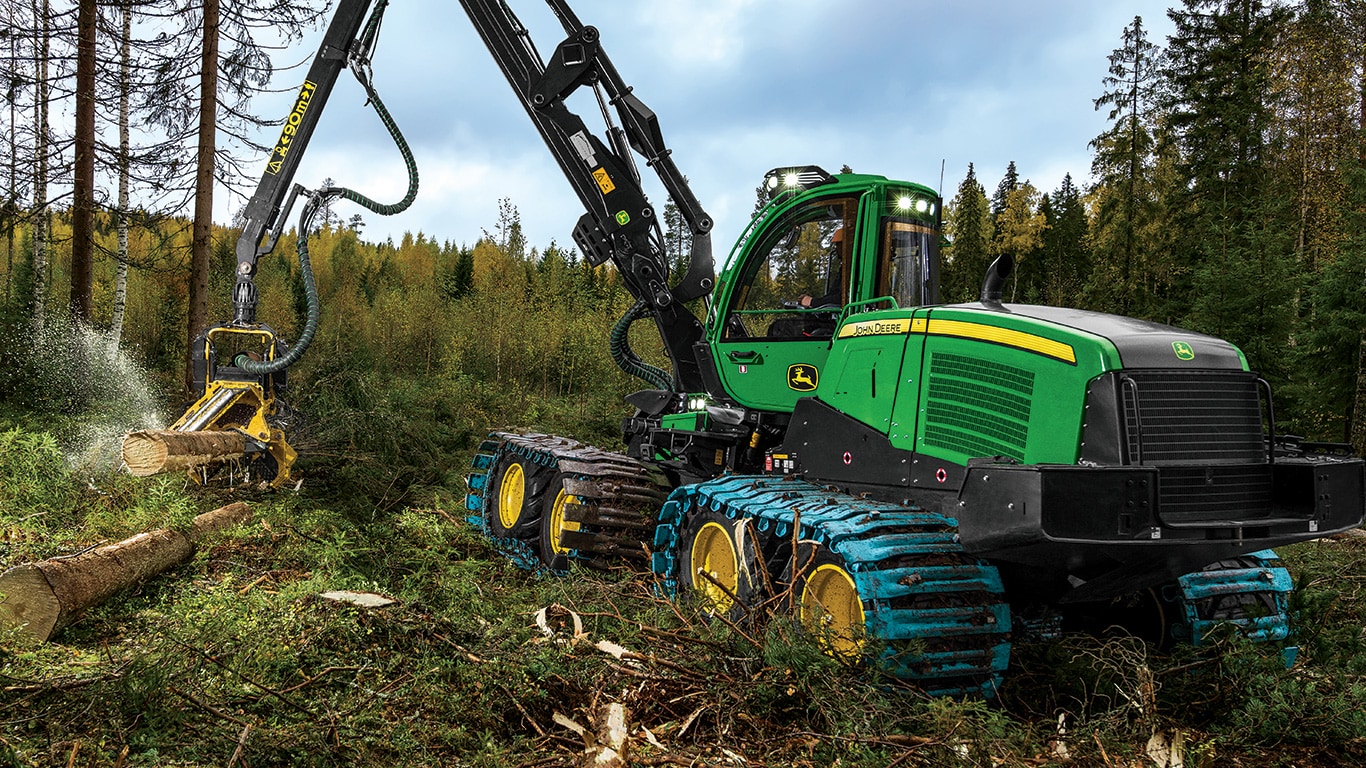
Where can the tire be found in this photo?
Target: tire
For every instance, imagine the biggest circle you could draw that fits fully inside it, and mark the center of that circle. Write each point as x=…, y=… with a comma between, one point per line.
x=514, y=511
x=828, y=605
x=553, y=554
x=727, y=550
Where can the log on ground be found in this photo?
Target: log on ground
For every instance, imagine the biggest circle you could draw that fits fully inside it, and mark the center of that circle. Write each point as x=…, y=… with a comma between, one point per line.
x=41, y=598
x=153, y=451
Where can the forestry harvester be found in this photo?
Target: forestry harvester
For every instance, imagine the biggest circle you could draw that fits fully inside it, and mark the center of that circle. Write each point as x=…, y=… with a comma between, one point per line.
x=925, y=481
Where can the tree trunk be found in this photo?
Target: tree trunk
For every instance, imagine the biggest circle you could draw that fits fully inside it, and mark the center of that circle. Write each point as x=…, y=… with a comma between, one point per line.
x=203, y=198
x=83, y=183
x=1358, y=416
x=125, y=85
x=41, y=13
x=12, y=199
x=154, y=451
x=41, y=598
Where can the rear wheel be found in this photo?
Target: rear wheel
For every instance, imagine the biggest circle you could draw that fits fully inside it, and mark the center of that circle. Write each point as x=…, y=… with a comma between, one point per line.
x=719, y=563
x=514, y=493
x=554, y=554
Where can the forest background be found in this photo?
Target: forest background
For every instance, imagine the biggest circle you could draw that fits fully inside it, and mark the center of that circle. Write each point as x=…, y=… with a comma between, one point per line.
x=1228, y=196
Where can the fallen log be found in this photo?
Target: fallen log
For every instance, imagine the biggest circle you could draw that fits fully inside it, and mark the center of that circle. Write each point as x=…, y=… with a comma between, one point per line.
x=153, y=451
x=41, y=598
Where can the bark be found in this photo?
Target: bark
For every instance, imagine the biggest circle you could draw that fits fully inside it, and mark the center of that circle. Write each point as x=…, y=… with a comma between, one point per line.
x=41, y=598
x=154, y=451
x=203, y=199
x=125, y=80
x=12, y=200
x=83, y=184
x=1358, y=417
x=42, y=87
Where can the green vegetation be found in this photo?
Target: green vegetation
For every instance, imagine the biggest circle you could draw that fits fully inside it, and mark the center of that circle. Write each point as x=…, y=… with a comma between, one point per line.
x=237, y=648
x=236, y=653
x=235, y=658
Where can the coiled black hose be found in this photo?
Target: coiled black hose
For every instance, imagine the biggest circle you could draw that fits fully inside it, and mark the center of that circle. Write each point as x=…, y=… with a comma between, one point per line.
x=619, y=345
x=316, y=203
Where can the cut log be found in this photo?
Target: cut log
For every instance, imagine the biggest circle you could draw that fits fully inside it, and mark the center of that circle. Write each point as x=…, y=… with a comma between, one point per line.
x=153, y=451
x=41, y=598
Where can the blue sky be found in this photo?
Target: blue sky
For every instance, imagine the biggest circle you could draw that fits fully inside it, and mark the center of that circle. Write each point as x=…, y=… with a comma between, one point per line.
x=893, y=87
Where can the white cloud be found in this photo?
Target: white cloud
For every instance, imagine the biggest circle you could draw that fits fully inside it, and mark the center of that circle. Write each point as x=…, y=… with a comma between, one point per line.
x=740, y=86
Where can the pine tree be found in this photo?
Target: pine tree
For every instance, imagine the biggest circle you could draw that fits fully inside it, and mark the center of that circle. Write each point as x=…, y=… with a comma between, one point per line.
x=83, y=181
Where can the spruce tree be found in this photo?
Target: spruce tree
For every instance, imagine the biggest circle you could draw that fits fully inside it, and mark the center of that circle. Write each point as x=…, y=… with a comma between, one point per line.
x=1124, y=193
x=1228, y=207
x=1063, y=262
x=1009, y=183
x=968, y=227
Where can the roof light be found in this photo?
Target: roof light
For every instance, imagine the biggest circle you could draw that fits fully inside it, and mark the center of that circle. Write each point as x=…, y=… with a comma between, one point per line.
x=781, y=181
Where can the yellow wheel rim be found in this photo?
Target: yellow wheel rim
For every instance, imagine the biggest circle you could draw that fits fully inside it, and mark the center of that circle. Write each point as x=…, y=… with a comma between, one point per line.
x=713, y=553
x=832, y=610
x=557, y=522
x=511, y=495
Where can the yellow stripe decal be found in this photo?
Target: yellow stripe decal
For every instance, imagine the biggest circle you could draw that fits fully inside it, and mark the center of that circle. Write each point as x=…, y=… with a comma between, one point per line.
x=876, y=328
x=1017, y=339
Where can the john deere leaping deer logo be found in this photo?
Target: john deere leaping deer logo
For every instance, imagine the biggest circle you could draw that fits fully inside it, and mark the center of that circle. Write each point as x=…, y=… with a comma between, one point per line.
x=1183, y=350
x=803, y=378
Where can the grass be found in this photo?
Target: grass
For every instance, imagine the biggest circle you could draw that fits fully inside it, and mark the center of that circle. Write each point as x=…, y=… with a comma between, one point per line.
x=235, y=659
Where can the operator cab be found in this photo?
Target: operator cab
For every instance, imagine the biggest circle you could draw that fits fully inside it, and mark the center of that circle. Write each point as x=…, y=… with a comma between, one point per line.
x=825, y=247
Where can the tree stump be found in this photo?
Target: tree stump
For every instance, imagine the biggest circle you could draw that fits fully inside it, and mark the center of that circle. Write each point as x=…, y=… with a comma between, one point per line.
x=153, y=451
x=41, y=598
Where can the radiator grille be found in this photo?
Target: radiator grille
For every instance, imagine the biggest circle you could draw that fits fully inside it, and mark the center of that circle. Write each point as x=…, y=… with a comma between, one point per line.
x=1203, y=494
x=1204, y=432
x=978, y=407
x=1183, y=418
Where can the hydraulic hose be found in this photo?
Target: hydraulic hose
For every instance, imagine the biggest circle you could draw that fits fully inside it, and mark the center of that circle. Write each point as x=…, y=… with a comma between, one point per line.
x=619, y=345
x=316, y=203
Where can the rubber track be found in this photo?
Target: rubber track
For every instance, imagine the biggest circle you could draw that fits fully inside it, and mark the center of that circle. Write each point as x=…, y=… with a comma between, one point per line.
x=619, y=498
x=941, y=612
x=1251, y=592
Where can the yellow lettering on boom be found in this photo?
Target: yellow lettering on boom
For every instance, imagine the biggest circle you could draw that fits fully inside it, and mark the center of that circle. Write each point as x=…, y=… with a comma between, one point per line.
x=291, y=129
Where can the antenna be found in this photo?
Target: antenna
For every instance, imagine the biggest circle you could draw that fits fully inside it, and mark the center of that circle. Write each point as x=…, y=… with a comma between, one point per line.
x=941, y=177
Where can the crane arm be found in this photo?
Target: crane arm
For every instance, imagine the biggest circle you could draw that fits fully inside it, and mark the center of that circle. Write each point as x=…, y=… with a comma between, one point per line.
x=264, y=216
x=619, y=223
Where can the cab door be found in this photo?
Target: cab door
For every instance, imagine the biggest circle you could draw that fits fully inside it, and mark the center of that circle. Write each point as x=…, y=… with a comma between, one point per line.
x=780, y=315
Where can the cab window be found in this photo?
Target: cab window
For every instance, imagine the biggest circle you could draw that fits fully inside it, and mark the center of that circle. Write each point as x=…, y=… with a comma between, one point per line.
x=905, y=253
x=798, y=277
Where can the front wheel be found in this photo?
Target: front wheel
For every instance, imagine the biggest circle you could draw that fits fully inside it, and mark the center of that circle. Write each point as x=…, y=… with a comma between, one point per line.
x=830, y=608
x=719, y=563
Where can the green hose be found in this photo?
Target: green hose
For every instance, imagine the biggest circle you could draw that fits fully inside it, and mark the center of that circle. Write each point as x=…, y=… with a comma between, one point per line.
x=314, y=205
x=619, y=345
